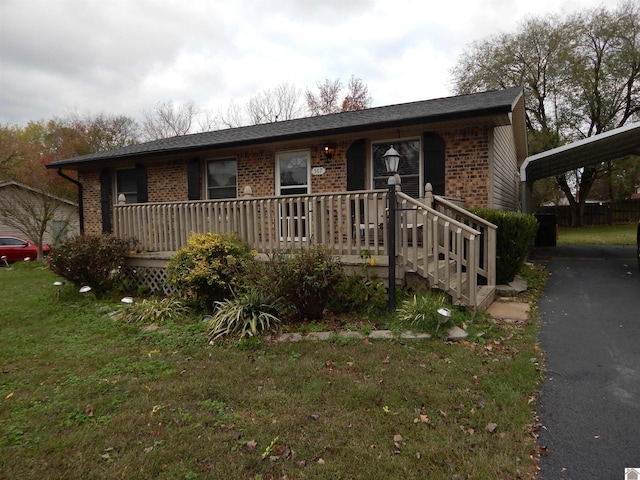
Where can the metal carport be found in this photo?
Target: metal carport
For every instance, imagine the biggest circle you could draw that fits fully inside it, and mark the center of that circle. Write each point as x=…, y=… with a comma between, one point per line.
x=609, y=145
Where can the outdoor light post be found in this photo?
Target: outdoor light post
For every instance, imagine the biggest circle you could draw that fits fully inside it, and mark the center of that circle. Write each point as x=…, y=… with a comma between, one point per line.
x=391, y=160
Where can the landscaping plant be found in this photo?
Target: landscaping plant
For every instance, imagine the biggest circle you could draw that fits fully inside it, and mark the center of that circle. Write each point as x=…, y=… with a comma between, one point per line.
x=209, y=267
x=246, y=315
x=91, y=260
x=420, y=312
x=155, y=311
x=304, y=280
x=516, y=237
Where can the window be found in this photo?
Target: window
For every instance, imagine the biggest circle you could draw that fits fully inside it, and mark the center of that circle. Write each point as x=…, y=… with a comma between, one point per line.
x=293, y=173
x=222, y=178
x=408, y=169
x=127, y=185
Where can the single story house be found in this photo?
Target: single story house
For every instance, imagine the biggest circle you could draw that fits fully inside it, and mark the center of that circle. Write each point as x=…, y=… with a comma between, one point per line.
x=323, y=180
x=22, y=201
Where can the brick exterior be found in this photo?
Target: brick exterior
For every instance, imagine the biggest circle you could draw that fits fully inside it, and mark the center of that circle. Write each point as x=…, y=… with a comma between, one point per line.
x=467, y=172
x=467, y=165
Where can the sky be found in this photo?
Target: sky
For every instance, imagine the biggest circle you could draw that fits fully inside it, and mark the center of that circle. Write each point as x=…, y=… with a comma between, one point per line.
x=123, y=57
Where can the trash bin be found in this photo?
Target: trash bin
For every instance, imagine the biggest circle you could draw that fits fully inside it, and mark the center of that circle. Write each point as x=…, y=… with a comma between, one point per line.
x=547, y=230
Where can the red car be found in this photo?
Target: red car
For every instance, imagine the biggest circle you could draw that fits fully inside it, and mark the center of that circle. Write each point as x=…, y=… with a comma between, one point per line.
x=14, y=249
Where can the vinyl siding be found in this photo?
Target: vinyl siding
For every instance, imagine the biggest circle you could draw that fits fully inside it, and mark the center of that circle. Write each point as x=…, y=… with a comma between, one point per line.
x=504, y=178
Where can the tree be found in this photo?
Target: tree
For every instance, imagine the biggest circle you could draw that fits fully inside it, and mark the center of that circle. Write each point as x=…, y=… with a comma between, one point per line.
x=328, y=98
x=581, y=77
x=169, y=120
x=32, y=212
x=273, y=105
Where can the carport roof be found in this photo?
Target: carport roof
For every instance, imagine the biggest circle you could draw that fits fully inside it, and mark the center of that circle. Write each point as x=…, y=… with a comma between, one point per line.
x=610, y=145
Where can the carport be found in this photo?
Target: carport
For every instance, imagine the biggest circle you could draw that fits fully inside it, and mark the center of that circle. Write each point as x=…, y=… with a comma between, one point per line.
x=606, y=146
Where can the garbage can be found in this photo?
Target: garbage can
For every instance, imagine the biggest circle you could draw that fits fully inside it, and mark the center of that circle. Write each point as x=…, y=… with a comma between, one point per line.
x=547, y=230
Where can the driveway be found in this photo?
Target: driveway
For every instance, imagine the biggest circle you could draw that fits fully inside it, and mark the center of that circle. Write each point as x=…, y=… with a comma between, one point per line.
x=590, y=397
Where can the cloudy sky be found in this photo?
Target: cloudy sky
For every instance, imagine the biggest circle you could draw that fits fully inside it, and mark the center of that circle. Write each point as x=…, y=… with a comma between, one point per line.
x=125, y=56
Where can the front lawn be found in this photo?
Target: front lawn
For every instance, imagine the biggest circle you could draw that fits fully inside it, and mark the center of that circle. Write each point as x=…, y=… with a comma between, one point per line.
x=85, y=396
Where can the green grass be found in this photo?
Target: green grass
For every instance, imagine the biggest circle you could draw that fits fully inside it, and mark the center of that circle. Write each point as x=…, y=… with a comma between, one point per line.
x=86, y=396
x=598, y=235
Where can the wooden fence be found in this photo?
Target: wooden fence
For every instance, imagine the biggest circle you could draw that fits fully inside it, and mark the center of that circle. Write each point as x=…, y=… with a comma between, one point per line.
x=605, y=213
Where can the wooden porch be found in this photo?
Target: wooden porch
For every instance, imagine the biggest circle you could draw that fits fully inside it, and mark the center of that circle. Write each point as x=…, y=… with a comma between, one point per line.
x=437, y=242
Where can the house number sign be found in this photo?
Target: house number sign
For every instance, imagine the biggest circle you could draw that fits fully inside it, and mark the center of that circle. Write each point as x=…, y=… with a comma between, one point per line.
x=318, y=171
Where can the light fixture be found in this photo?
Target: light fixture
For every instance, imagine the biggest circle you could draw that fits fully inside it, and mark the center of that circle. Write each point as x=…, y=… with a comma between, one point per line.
x=391, y=160
x=58, y=285
x=86, y=292
x=444, y=316
x=3, y=259
x=127, y=301
x=329, y=150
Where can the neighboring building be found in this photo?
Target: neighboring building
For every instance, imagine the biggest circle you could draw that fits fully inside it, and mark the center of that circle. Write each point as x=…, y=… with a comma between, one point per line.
x=19, y=197
x=323, y=180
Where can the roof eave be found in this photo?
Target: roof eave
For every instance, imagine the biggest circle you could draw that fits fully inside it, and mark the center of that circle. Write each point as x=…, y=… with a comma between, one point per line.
x=501, y=115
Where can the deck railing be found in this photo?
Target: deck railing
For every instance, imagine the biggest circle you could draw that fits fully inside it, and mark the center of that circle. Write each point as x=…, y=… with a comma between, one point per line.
x=342, y=222
x=435, y=238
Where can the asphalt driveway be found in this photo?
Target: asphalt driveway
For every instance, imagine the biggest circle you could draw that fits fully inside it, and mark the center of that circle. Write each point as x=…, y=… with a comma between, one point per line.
x=590, y=398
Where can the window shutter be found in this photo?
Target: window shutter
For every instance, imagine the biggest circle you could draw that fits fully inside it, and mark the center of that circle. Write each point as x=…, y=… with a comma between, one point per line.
x=105, y=199
x=356, y=158
x=141, y=183
x=434, y=162
x=193, y=179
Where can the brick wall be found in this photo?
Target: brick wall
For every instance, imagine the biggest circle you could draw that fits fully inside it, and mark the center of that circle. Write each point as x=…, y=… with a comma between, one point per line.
x=467, y=165
x=90, y=181
x=467, y=173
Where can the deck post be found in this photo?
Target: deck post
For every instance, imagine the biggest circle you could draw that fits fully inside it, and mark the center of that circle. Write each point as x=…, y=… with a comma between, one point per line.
x=391, y=302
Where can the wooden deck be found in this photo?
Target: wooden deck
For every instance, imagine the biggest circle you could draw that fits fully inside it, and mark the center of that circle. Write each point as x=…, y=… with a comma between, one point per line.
x=436, y=241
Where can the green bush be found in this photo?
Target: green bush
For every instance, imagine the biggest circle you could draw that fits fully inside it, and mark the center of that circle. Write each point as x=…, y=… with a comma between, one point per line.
x=92, y=260
x=304, y=280
x=357, y=294
x=516, y=237
x=246, y=315
x=421, y=313
x=209, y=267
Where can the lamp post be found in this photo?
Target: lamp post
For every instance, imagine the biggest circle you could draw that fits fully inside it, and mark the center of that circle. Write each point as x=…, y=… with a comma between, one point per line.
x=391, y=160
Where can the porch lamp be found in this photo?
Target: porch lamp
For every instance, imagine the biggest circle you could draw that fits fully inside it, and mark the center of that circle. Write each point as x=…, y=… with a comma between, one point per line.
x=391, y=161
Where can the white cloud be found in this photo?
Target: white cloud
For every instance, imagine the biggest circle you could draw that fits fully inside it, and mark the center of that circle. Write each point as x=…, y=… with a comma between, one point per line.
x=124, y=56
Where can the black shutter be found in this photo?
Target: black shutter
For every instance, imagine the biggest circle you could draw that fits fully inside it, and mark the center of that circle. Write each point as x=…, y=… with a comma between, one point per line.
x=105, y=199
x=356, y=158
x=434, y=162
x=193, y=179
x=141, y=183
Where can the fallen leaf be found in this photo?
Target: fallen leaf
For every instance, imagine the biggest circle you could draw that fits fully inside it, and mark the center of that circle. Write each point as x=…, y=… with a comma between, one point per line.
x=424, y=419
x=386, y=360
x=251, y=445
x=148, y=449
x=9, y=396
x=89, y=410
x=397, y=438
x=491, y=427
x=320, y=461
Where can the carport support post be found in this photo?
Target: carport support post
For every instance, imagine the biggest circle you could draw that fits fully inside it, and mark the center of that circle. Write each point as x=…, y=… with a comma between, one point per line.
x=526, y=193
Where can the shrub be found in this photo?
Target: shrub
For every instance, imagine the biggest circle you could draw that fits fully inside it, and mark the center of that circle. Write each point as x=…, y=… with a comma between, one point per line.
x=515, y=238
x=421, y=313
x=304, y=280
x=246, y=315
x=357, y=294
x=92, y=260
x=155, y=310
x=209, y=267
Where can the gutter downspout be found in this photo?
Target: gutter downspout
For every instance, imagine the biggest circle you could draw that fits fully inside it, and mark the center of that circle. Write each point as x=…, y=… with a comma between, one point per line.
x=80, y=206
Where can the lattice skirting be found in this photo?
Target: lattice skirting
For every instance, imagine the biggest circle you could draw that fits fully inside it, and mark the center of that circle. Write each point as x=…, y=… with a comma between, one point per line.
x=153, y=278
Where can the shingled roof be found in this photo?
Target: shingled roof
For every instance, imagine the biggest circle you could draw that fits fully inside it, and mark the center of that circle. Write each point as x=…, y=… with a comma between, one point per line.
x=405, y=114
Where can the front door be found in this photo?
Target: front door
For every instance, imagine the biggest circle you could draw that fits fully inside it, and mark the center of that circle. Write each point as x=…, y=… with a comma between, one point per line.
x=293, y=178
